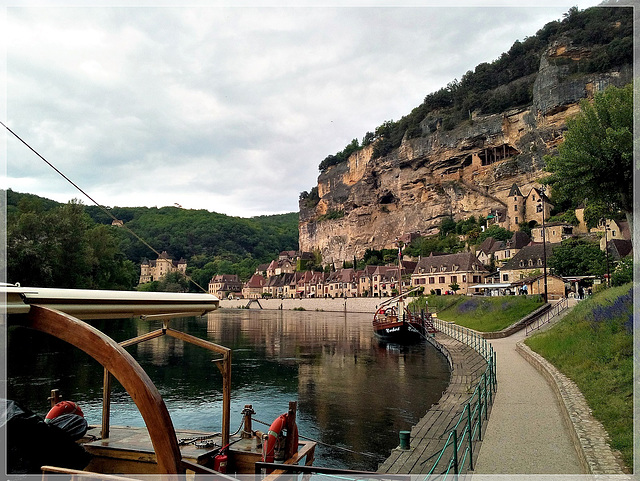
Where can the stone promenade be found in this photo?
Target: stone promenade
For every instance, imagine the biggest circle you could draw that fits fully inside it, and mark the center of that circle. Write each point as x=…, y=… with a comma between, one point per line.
x=540, y=422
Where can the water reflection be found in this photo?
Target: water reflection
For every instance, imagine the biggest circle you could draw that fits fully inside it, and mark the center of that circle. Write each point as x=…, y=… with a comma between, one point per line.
x=352, y=391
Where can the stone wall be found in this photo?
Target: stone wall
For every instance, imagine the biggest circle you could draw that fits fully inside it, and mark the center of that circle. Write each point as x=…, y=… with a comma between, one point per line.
x=350, y=304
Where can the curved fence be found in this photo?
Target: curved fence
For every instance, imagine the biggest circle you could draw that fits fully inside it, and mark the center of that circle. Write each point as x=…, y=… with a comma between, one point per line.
x=457, y=454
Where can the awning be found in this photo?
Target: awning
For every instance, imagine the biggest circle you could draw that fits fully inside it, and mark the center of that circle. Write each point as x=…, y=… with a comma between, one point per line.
x=490, y=286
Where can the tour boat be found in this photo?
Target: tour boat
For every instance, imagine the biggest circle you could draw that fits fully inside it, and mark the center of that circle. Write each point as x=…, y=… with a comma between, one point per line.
x=158, y=448
x=393, y=322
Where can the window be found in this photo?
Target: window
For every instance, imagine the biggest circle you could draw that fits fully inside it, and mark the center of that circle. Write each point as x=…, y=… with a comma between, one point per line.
x=464, y=278
x=443, y=268
x=530, y=262
x=454, y=279
x=476, y=279
x=521, y=263
x=539, y=262
x=441, y=280
x=505, y=277
x=515, y=208
x=432, y=280
x=613, y=233
x=516, y=220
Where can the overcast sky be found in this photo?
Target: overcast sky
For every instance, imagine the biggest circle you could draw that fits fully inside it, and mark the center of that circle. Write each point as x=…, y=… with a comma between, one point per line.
x=229, y=109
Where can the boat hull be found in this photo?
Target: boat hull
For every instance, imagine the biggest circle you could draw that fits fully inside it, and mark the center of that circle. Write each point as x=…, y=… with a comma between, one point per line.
x=400, y=332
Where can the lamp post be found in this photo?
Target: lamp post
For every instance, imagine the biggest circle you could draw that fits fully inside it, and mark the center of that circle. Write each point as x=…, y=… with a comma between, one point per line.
x=606, y=250
x=544, y=245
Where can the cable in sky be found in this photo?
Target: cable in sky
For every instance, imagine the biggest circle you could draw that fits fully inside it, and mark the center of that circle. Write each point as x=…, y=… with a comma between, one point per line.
x=104, y=209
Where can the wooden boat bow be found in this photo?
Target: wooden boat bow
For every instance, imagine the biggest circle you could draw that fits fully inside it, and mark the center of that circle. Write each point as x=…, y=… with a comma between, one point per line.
x=124, y=367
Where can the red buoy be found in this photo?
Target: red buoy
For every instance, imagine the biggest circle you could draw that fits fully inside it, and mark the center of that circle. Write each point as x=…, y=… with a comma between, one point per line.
x=63, y=407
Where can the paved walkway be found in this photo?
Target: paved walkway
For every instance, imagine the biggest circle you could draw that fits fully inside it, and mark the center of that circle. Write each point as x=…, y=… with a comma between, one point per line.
x=526, y=433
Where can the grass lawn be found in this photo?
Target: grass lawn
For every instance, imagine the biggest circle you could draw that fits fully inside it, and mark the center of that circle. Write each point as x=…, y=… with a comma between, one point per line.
x=484, y=314
x=593, y=345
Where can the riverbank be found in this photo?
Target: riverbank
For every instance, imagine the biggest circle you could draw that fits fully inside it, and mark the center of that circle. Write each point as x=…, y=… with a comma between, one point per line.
x=349, y=304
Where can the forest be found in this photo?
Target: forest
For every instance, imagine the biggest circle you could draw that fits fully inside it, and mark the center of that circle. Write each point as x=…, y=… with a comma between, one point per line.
x=507, y=82
x=74, y=245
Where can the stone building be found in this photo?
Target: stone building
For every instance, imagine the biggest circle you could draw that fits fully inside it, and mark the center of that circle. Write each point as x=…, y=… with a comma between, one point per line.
x=437, y=273
x=252, y=289
x=157, y=269
x=225, y=285
x=526, y=208
x=529, y=261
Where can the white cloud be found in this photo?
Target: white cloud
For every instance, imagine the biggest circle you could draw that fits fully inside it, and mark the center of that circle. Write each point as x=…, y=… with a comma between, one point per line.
x=226, y=108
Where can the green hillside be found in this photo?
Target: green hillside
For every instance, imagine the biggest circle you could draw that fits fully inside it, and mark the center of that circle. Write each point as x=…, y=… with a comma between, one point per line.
x=211, y=243
x=484, y=314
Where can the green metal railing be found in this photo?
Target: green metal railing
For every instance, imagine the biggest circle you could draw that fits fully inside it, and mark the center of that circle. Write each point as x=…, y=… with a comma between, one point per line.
x=457, y=453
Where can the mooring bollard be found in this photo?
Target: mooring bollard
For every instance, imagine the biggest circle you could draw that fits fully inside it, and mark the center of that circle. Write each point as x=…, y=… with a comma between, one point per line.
x=405, y=440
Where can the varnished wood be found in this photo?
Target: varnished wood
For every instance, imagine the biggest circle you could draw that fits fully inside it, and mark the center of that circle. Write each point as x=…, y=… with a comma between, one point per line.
x=83, y=474
x=145, y=337
x=289, y=447
x=225, y=368
x=106, y=404
x=128, y=372
x=55, y=397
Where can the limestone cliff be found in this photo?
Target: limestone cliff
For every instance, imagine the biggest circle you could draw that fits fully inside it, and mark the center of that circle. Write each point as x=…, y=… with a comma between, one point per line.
x=469, y=170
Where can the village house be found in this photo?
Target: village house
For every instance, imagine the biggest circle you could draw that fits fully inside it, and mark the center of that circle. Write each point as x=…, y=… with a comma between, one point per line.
x=341, y=283
x=554, y=232
x=315, y=287
x=281, y=266
x=163, y=265
x=225, y=285
x=615, y=229
x=261, y=270
x=437, y=273
x=529, y=261
x=386, y=281
x=511, y=247
x=365, y=276
x=556, y=286
x=252, y=289
x=527, y=208
x=486, y=251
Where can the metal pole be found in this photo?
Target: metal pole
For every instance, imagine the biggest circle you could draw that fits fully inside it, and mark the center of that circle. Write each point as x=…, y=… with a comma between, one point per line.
x=455, y=451
x=544, y=249
x=606, y=251
x=470, y=436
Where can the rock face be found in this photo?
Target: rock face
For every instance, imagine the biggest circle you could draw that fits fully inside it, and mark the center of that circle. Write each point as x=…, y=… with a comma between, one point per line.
x=366, y=203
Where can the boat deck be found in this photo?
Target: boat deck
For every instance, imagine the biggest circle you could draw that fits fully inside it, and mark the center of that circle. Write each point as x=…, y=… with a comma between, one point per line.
x=129, y=450
x=132, y=447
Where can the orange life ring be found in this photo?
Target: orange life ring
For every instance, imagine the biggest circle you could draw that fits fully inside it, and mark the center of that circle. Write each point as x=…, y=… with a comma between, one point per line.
x=274, y=431
x=63, y=407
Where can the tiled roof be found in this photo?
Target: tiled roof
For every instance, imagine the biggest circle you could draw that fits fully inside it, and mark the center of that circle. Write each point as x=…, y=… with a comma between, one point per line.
x=464, y=260
x=490, y=245
x=256, y=281
x=530, y=252
x=518, y=240
x=224, y=278
x=515, y=191
x=620, y=247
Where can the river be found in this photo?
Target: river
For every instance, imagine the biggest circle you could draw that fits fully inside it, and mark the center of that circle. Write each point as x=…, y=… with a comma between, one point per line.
x=354, y=394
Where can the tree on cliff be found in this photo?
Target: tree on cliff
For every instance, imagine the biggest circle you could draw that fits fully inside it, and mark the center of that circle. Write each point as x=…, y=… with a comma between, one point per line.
x=595, y=161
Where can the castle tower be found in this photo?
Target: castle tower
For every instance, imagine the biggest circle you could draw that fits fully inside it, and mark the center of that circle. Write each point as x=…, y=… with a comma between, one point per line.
x=515, y=208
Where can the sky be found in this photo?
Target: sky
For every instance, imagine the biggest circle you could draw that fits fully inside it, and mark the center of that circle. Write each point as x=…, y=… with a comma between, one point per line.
x=225, y=108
